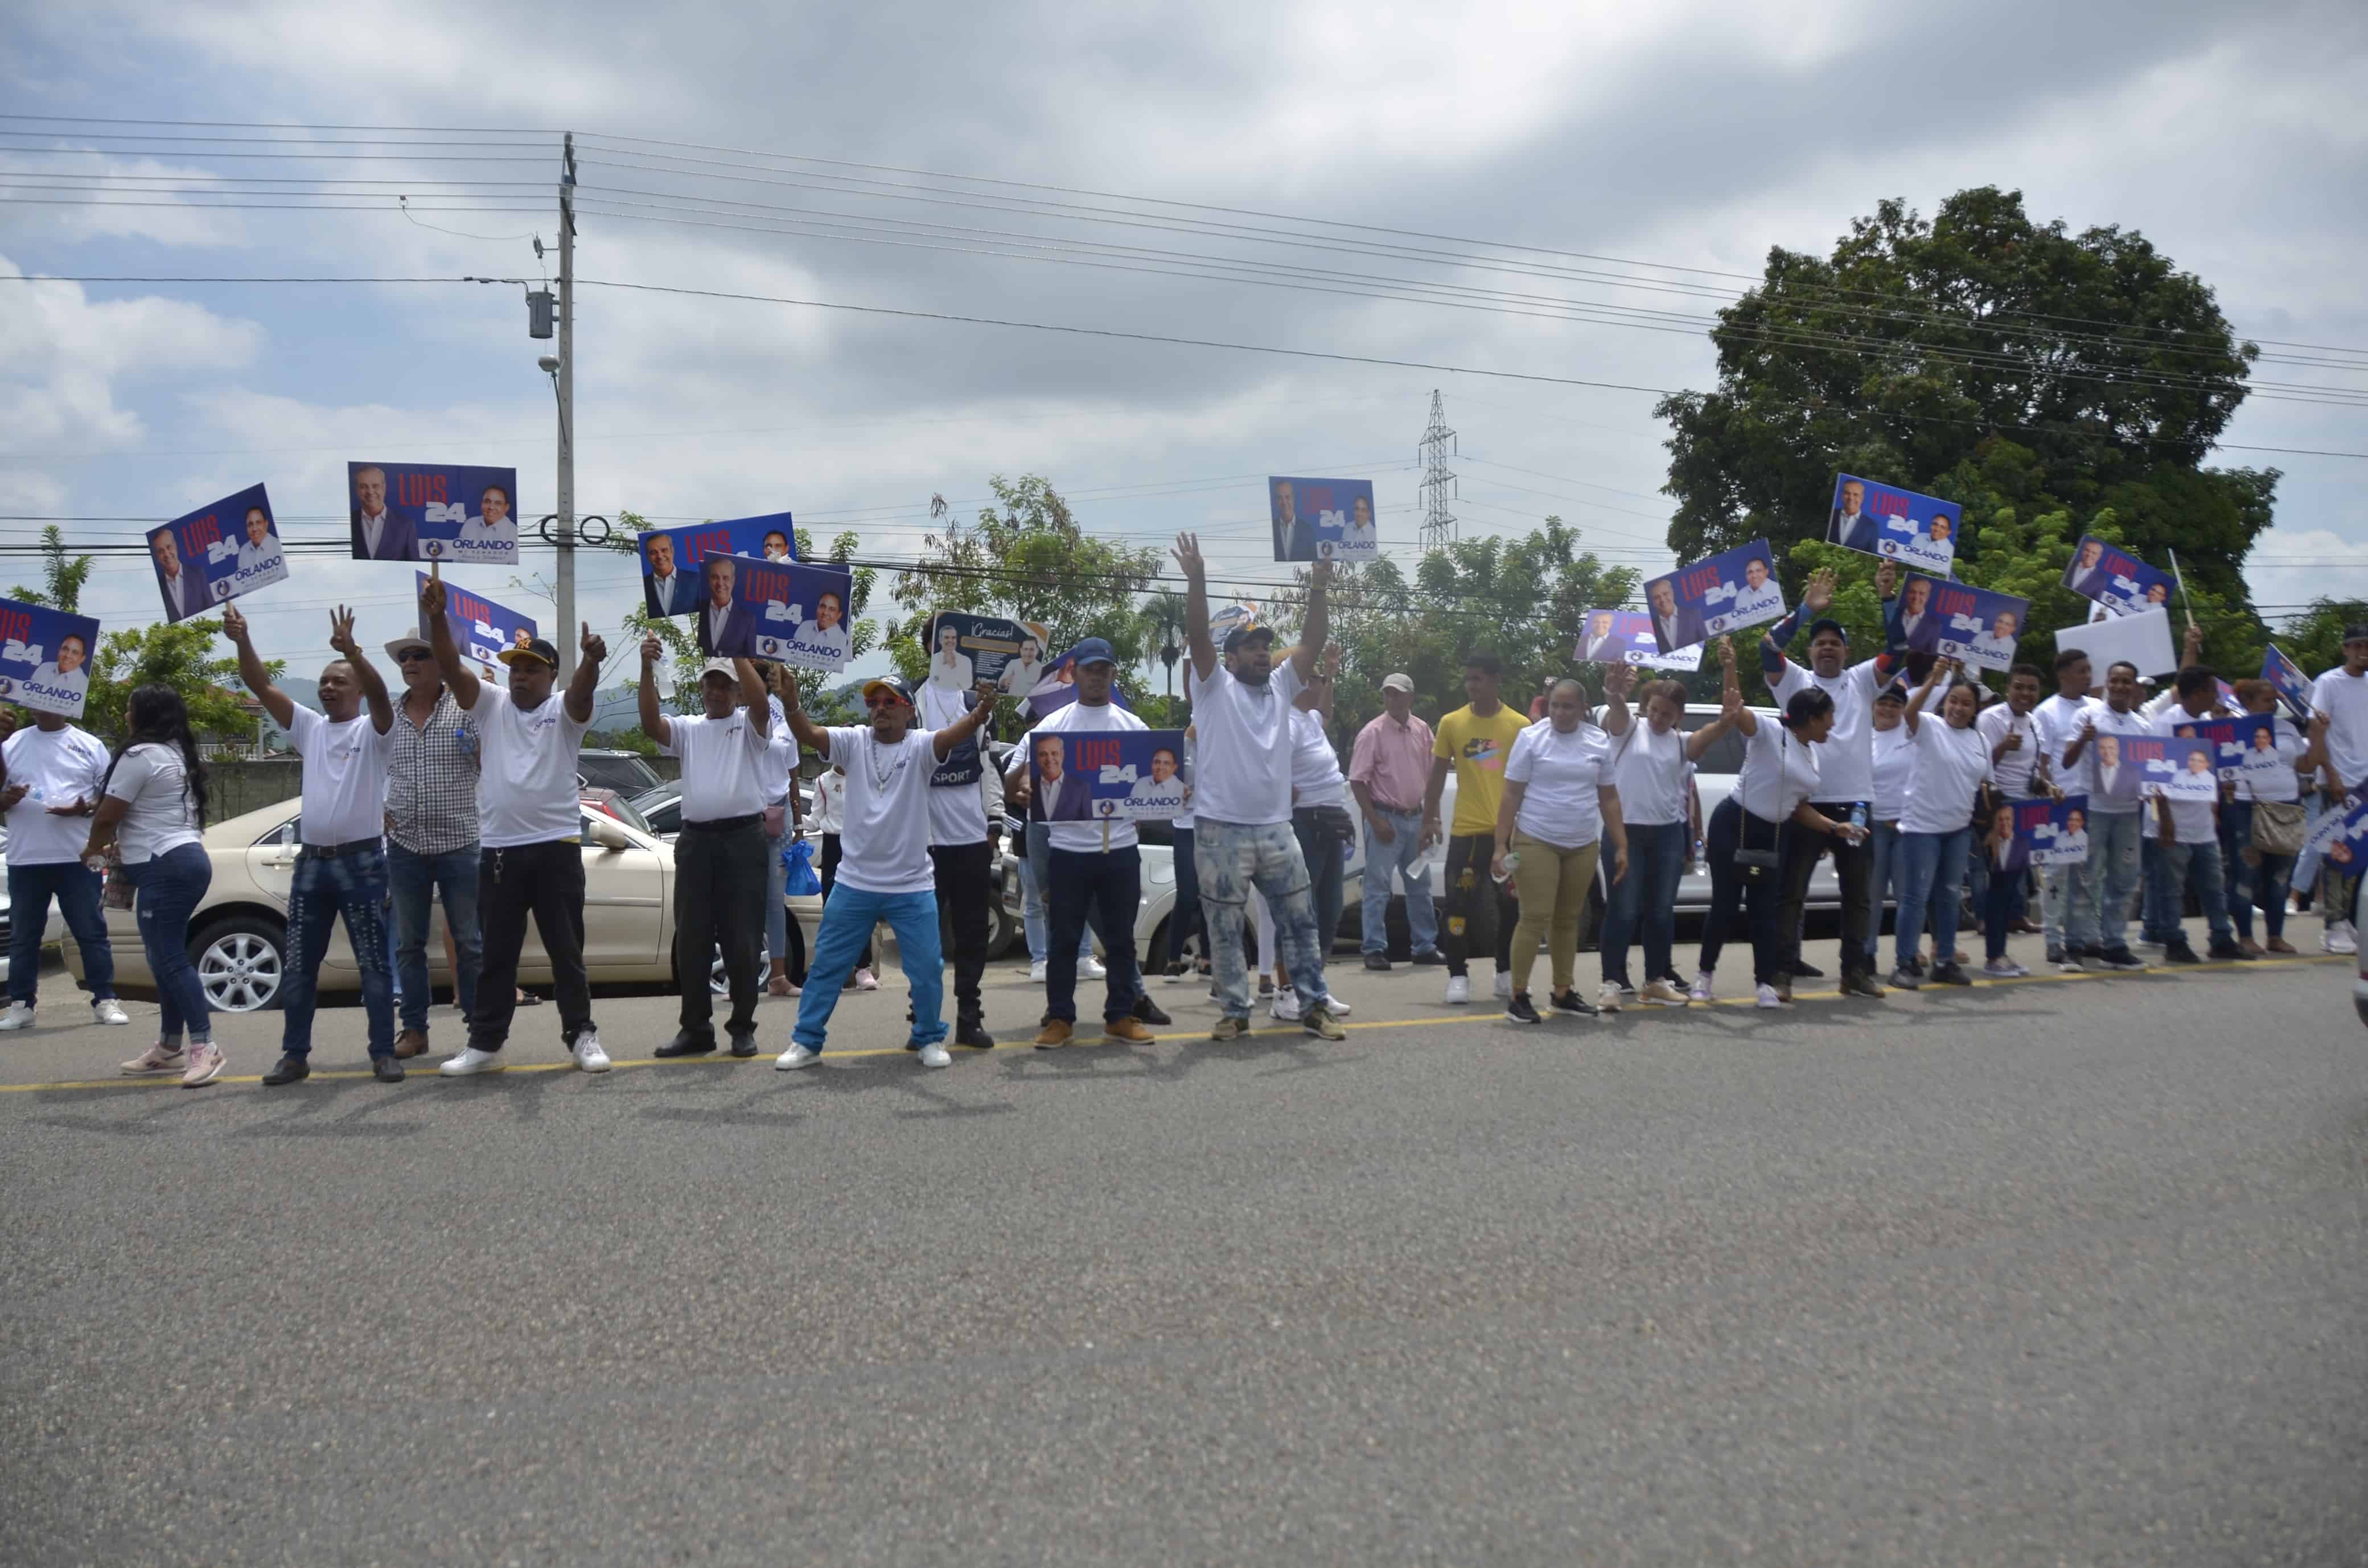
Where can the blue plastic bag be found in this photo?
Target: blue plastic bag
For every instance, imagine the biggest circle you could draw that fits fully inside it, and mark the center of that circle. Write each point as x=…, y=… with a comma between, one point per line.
x=804, y=880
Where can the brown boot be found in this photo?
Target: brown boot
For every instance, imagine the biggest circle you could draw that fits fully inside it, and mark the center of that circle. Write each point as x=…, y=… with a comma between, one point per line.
x=1054, y=1035
x=409, y=1043
x=1130, y=1030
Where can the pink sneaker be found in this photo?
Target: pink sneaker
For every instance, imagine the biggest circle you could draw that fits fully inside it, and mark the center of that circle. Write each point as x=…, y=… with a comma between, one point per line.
x=205, y=1065
x=155, y=1059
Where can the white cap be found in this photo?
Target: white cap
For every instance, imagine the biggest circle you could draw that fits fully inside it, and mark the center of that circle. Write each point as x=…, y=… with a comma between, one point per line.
x=719, y=667
x=1397, y=680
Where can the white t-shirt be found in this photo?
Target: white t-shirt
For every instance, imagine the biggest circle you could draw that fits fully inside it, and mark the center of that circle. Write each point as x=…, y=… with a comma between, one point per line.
x=1779, y=772
x=2190, y=820
x=884, y=847
x=727, y=767
x=153, y=782
x=1845, y=758
x=2270, y=775
x=830, y=802
x=2059, y=721
x=344, y=775
x=1246, y=729
x=2012, y=771
x=1071, y=719
x=57, y=768
x=1894, y=772
x=2344, y=700
x=1649, y=771
x=527, y=792
x=1315, y=776
x=2101, y=799
x=1949, y=767
x=957, y=812
x=1561, y=774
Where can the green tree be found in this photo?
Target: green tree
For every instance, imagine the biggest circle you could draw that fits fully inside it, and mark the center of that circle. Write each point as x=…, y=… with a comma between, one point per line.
x=2314, y=639
x=180, y=654
x=1987, y=359
x=62, y=578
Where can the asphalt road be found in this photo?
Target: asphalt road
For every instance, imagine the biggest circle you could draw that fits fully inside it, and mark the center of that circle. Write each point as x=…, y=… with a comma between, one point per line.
x=2063, y=1271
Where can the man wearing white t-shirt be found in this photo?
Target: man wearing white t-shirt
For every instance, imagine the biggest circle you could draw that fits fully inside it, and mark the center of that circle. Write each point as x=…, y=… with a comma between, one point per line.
x=884, y=870
x=2011, y=732
x=341, y=861
x=2067, y=727
x=719, y=857
x=2343, y=695
x=1241, y=810
x=50, y=776
x=966, y=805
x=530, y=833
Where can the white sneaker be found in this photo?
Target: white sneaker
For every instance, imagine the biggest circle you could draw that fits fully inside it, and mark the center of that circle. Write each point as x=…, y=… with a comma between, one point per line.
x=1334, y=1005
x=206, y=1062
x=2004, y=969
x=1286, y=1007
x=1768, y=998
x=155, y=1059
x=1504, y=986
x=866, y=981
x=470, y=1063
x=2340, y=938
x=104, y=1010
x=588, y=1052
x=1036, y=972
x=796, y=1056
x=19, y=1016
x=1092, y=969
x=1700, y=992
x=937, y=1055
x=1607, y=996
x=1661, y=993
x=1459, y=990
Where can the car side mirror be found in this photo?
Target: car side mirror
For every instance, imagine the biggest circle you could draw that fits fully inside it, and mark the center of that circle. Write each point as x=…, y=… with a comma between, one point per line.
x=609, y=835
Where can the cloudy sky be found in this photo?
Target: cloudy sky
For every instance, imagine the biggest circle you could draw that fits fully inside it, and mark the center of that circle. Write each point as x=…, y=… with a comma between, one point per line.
x=797, y=152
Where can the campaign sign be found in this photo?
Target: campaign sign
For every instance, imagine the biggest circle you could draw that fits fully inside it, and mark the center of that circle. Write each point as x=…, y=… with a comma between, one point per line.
x=433, y=512
x=1960, y=622
x=2235, y=742
x=1625, y=637
x=2114, y=578
x=1105, y=775
x=1323, y=519
x=216, y=553
x=967, y=649
x=780, y=610
x=2047, y=833
x=2294, y=687
x=1732, y=590
x=482, y=629
x=45, y=658
x=2172, y=766
x=1915, y=530
x=2340, y=837
x=674, y=580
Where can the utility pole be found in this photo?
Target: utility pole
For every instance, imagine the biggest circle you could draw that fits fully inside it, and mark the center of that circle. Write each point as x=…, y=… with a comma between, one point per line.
x=564, y=640
x=1438, y=480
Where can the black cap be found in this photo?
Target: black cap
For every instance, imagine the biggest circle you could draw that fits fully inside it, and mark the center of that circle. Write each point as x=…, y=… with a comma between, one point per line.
x=1241, y=634
x=1895, y=691
x=2355, y=634
x=895, y=686
x=536, y=648
x=1828, y=623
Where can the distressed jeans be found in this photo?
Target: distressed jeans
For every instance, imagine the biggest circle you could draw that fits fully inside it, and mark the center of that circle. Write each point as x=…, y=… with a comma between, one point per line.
x=2100, y=899
x=1233, y=858
x=418, y=882
x=325, y=888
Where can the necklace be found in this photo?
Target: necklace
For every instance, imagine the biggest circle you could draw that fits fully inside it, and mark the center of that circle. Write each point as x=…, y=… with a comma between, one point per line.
x=872, y=755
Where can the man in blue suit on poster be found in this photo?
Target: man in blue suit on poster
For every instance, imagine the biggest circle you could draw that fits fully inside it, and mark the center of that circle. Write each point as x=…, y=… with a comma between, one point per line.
x=1675, y=626
x=379, y=535
x=185, y=590
x=1851, y=528
x=666, y=589
x=727, y=630
x=1058, y=796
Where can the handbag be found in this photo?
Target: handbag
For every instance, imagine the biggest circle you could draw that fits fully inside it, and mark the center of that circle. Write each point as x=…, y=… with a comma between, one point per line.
x=2277, y=828
x=1335, y=821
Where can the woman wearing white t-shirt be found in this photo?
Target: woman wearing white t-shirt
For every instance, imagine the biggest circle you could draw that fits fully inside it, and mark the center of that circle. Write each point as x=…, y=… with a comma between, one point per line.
x=1559, y=804
x=1952, y=763
x=1894, y=772
x=151, y=804
x=1650, y=759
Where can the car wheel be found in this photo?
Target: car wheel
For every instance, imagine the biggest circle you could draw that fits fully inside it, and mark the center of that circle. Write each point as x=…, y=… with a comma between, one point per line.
x=242, y=963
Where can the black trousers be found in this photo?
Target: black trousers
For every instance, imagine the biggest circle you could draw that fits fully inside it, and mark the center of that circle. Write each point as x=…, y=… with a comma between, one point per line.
x=830, y=858
x=965, y=883
x=1757, y=895
x=719, y=903
x=547, y=880
x=1853, y=864
x=1480, y=914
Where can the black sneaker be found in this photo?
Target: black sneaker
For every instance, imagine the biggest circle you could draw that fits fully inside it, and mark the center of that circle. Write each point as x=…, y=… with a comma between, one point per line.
x=288, y=1069
x=2228, y=952
x=1859, y=983
x=1571, y=1002
x=972, y=1033
x=1915, y=965
x=1518, y=1009
x=2178, y=952
x=1949, y=975
x=2118, y=958
x=1803, y=970
x=686, y=1044
x=1147, y=1011
x=386, y=1069
x=2056, y=954
x=1429, y=958
x=1378, y=962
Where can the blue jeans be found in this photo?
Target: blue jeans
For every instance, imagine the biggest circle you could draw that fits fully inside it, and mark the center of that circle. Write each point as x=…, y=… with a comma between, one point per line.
x=777, y=889
x=846, y=922
x=2179, y=870
x=418, y=880
x=324, y=888
x=1927, y=862
x=1327, y=864
x=1232, y=858
x=2100, y=899
x=31, y=888
x=1400, y=858
x=1096, y=890
x=2265, y=883
x=1884, y=870
x=1657, y=855
x=169, y=888
x=1035, y=884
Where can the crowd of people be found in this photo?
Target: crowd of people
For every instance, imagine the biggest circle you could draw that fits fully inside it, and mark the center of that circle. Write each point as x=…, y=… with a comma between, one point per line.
x=461, y=791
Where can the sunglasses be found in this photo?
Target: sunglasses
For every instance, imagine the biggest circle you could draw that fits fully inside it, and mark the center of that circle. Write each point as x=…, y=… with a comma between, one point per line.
x=413, y=656
x=877, y=703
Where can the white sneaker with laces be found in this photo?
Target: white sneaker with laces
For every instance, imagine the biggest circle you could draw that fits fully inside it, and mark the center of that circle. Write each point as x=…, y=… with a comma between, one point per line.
x=1286, y=1007
x=2340, y=938
x=937, y=1056
x=1092, y=969
x=1459, y=991
x=1036, y=972
x=206, y=1062
x=1504, y=986
x=470, y=1063
x=157, y=1058
x=796, y=1056
x=2004, y=969
x=1607, y=996
x=866, y=981
x=1661, y=993
x=1768, y=998
x=1334, y=1005
x=588, y=1052
x=105, y=1010
x=1700, y=992
x=19, y=1016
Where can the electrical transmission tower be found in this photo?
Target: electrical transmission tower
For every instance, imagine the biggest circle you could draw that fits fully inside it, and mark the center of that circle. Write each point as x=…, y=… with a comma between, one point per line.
x=1438, y=479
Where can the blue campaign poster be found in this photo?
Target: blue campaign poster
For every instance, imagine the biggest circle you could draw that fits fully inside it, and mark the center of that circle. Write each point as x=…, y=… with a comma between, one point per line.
x=778, y=609
x=967, y=649
x=1327, y=520
x=216, y=553
x=2047, y=833
x=445, y=512
x=674, y=581
x=2294, y=687
x=2115, y=578
x=1957, y=621
x=2173, y=766
x=1916, y=530
x=2235, y=742
x=483, y=629
x=1732, y=590
x=45, y=658
x=1625, y=637
x=1113, y=775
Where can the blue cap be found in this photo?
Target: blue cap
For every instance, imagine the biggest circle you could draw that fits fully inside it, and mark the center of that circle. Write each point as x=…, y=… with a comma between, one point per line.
x=1093, y=651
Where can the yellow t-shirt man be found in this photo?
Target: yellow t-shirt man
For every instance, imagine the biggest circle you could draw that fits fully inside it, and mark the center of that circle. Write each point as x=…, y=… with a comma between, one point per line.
x=1478, y=748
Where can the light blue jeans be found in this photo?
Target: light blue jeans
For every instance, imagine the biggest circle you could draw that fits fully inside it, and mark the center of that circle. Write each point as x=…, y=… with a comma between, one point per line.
x=1035, y=908
x=1233, y=858
x=2100, y=899
x=1922, y=862
x=846, y=922
x=1401, y=858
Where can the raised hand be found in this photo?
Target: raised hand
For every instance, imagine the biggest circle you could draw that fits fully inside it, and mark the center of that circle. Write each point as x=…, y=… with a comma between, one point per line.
x=1886, y=577
x=1726, y=652
x=1818, y=596
x=431, y=596
x=1188, y=555
x=235, y=626
x=341, y=629
x=595, y=650
x=2192, y=643
x=988, y=693
x=1332, y=661
x=652, y=649
x=1618, y=679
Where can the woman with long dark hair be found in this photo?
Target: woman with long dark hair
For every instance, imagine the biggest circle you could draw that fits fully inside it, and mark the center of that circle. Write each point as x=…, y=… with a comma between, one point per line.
x=151, y=807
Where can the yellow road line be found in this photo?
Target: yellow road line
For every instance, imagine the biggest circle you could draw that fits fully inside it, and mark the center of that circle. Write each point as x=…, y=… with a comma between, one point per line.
x=1478, y=1015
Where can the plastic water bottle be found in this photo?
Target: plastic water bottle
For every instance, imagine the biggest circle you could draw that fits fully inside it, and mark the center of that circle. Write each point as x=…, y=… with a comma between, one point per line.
x=1512, y=864
x=1858, y=816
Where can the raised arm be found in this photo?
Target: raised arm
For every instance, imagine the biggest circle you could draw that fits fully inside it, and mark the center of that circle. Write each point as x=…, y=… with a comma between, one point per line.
x=1617, y=678
x=457, y=673
x=1731, y=711
x=1815, y=599
x=811, y=735
x=366, y=675
x=276, y=702
x=591, y=654
x=1318, y=628
x=1197, y=641
x=982, y=715
x=653, y=719
x=1914, y=715
x=753, y=695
